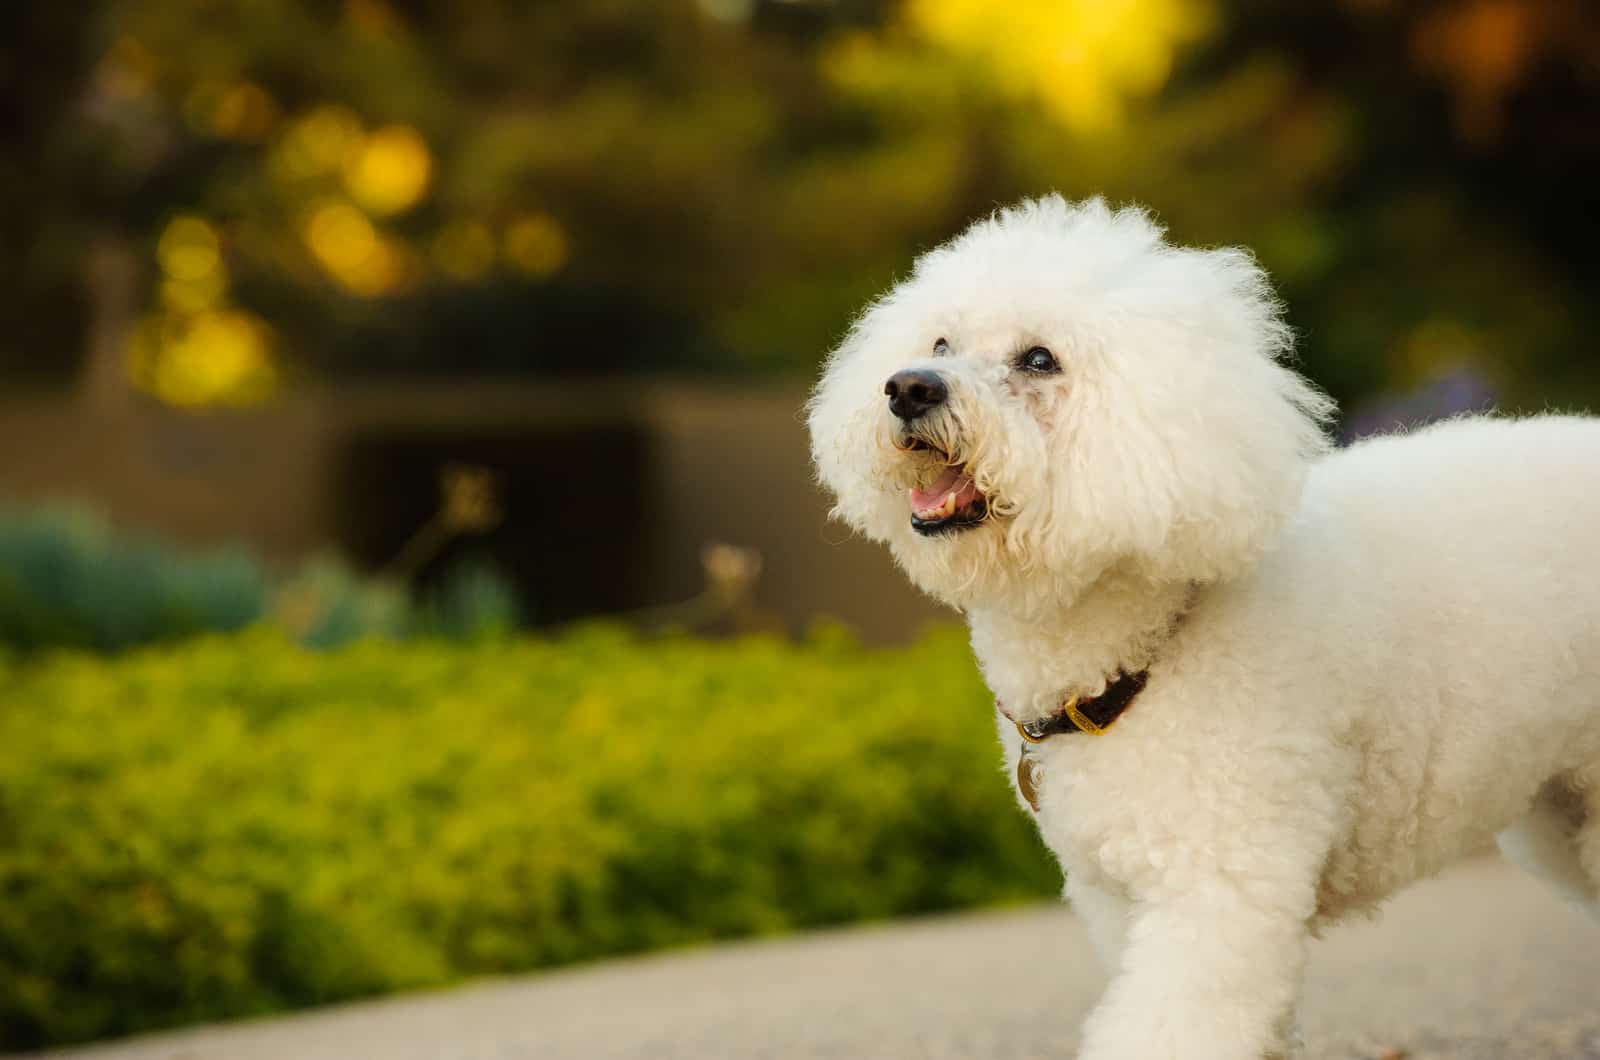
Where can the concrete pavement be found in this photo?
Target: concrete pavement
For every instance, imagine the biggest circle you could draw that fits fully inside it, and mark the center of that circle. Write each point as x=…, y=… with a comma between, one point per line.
x=1479, y=964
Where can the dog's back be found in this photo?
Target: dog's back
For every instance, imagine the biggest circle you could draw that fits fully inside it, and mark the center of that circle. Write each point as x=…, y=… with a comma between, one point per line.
x=1455, y=574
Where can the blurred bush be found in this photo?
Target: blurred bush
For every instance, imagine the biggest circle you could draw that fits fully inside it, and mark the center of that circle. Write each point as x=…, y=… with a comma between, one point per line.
x=325, y=604
x=473, y=601
x=68, y=579
x=237, y=825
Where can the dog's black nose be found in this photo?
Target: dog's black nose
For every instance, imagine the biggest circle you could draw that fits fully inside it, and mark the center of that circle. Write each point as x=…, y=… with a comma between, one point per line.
x=914, y=393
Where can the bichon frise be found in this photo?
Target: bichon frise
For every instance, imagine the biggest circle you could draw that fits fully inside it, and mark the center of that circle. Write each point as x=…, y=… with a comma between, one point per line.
x=1248, y=684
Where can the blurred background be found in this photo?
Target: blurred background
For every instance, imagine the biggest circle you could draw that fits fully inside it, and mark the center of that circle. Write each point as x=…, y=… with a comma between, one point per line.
x=401, y=460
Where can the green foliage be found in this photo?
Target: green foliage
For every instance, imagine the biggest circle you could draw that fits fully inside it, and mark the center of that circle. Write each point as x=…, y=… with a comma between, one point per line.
x=473, y=601
x=237, y=825
x=325, y=605
x=729, y=182
x=68, y=579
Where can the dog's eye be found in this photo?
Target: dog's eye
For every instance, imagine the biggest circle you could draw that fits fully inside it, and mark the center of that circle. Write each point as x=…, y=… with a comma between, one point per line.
x=940, y=348
x=1039, y=360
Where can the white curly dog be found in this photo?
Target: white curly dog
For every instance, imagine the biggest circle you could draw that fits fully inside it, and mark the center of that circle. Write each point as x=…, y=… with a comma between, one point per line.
x=1260, y=684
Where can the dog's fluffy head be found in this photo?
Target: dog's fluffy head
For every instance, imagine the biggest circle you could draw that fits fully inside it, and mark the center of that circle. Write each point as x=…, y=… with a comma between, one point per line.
x=1167, y=440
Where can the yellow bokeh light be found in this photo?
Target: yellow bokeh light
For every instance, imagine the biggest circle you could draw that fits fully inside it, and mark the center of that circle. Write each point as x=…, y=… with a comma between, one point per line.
x=389, y=171
x=194, y=294
x=217, y=356
x=189, y=249
x=360, y=258
x=1084, y=59
x=464, y=250
x=317, y=143
x=390, y=267
x=340, y=236
x=536, y=244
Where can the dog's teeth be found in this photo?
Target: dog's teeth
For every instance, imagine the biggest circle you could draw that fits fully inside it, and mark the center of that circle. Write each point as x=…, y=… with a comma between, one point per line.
x=943, y=510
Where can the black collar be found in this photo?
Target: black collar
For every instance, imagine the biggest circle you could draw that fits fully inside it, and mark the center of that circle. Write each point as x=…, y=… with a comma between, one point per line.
x=1093, y=716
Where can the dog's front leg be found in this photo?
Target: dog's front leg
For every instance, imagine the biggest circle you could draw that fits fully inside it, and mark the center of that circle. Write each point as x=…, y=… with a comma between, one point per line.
x=1206, y=975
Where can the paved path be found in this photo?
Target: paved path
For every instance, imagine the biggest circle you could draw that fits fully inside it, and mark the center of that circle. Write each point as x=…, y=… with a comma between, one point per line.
x=1479, y=964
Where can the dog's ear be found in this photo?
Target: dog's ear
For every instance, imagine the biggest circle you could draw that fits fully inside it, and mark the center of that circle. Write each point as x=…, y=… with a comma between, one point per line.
x=1187, y=438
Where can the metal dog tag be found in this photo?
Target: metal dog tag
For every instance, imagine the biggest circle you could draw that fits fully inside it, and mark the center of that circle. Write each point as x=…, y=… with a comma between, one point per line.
x=1028, y=777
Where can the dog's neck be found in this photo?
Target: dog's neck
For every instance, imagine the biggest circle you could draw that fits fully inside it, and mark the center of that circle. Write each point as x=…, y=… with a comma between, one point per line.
x=1033, y=660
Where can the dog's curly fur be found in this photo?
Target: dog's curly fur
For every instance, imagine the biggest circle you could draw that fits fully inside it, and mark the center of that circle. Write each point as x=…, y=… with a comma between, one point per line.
x=1387, y=654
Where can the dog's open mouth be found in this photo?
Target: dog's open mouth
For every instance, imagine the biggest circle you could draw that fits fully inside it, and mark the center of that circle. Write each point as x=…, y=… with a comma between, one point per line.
x=948, y=503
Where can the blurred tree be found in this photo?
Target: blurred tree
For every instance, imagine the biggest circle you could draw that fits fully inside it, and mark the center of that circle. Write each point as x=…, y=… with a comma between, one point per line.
x=386, y=186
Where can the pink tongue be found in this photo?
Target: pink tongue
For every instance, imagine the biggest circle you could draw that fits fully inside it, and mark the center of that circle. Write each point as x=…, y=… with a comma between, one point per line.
x=951, y=480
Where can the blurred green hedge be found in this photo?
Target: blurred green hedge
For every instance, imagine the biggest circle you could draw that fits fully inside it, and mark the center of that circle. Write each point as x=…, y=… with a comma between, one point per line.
x=237, y=825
